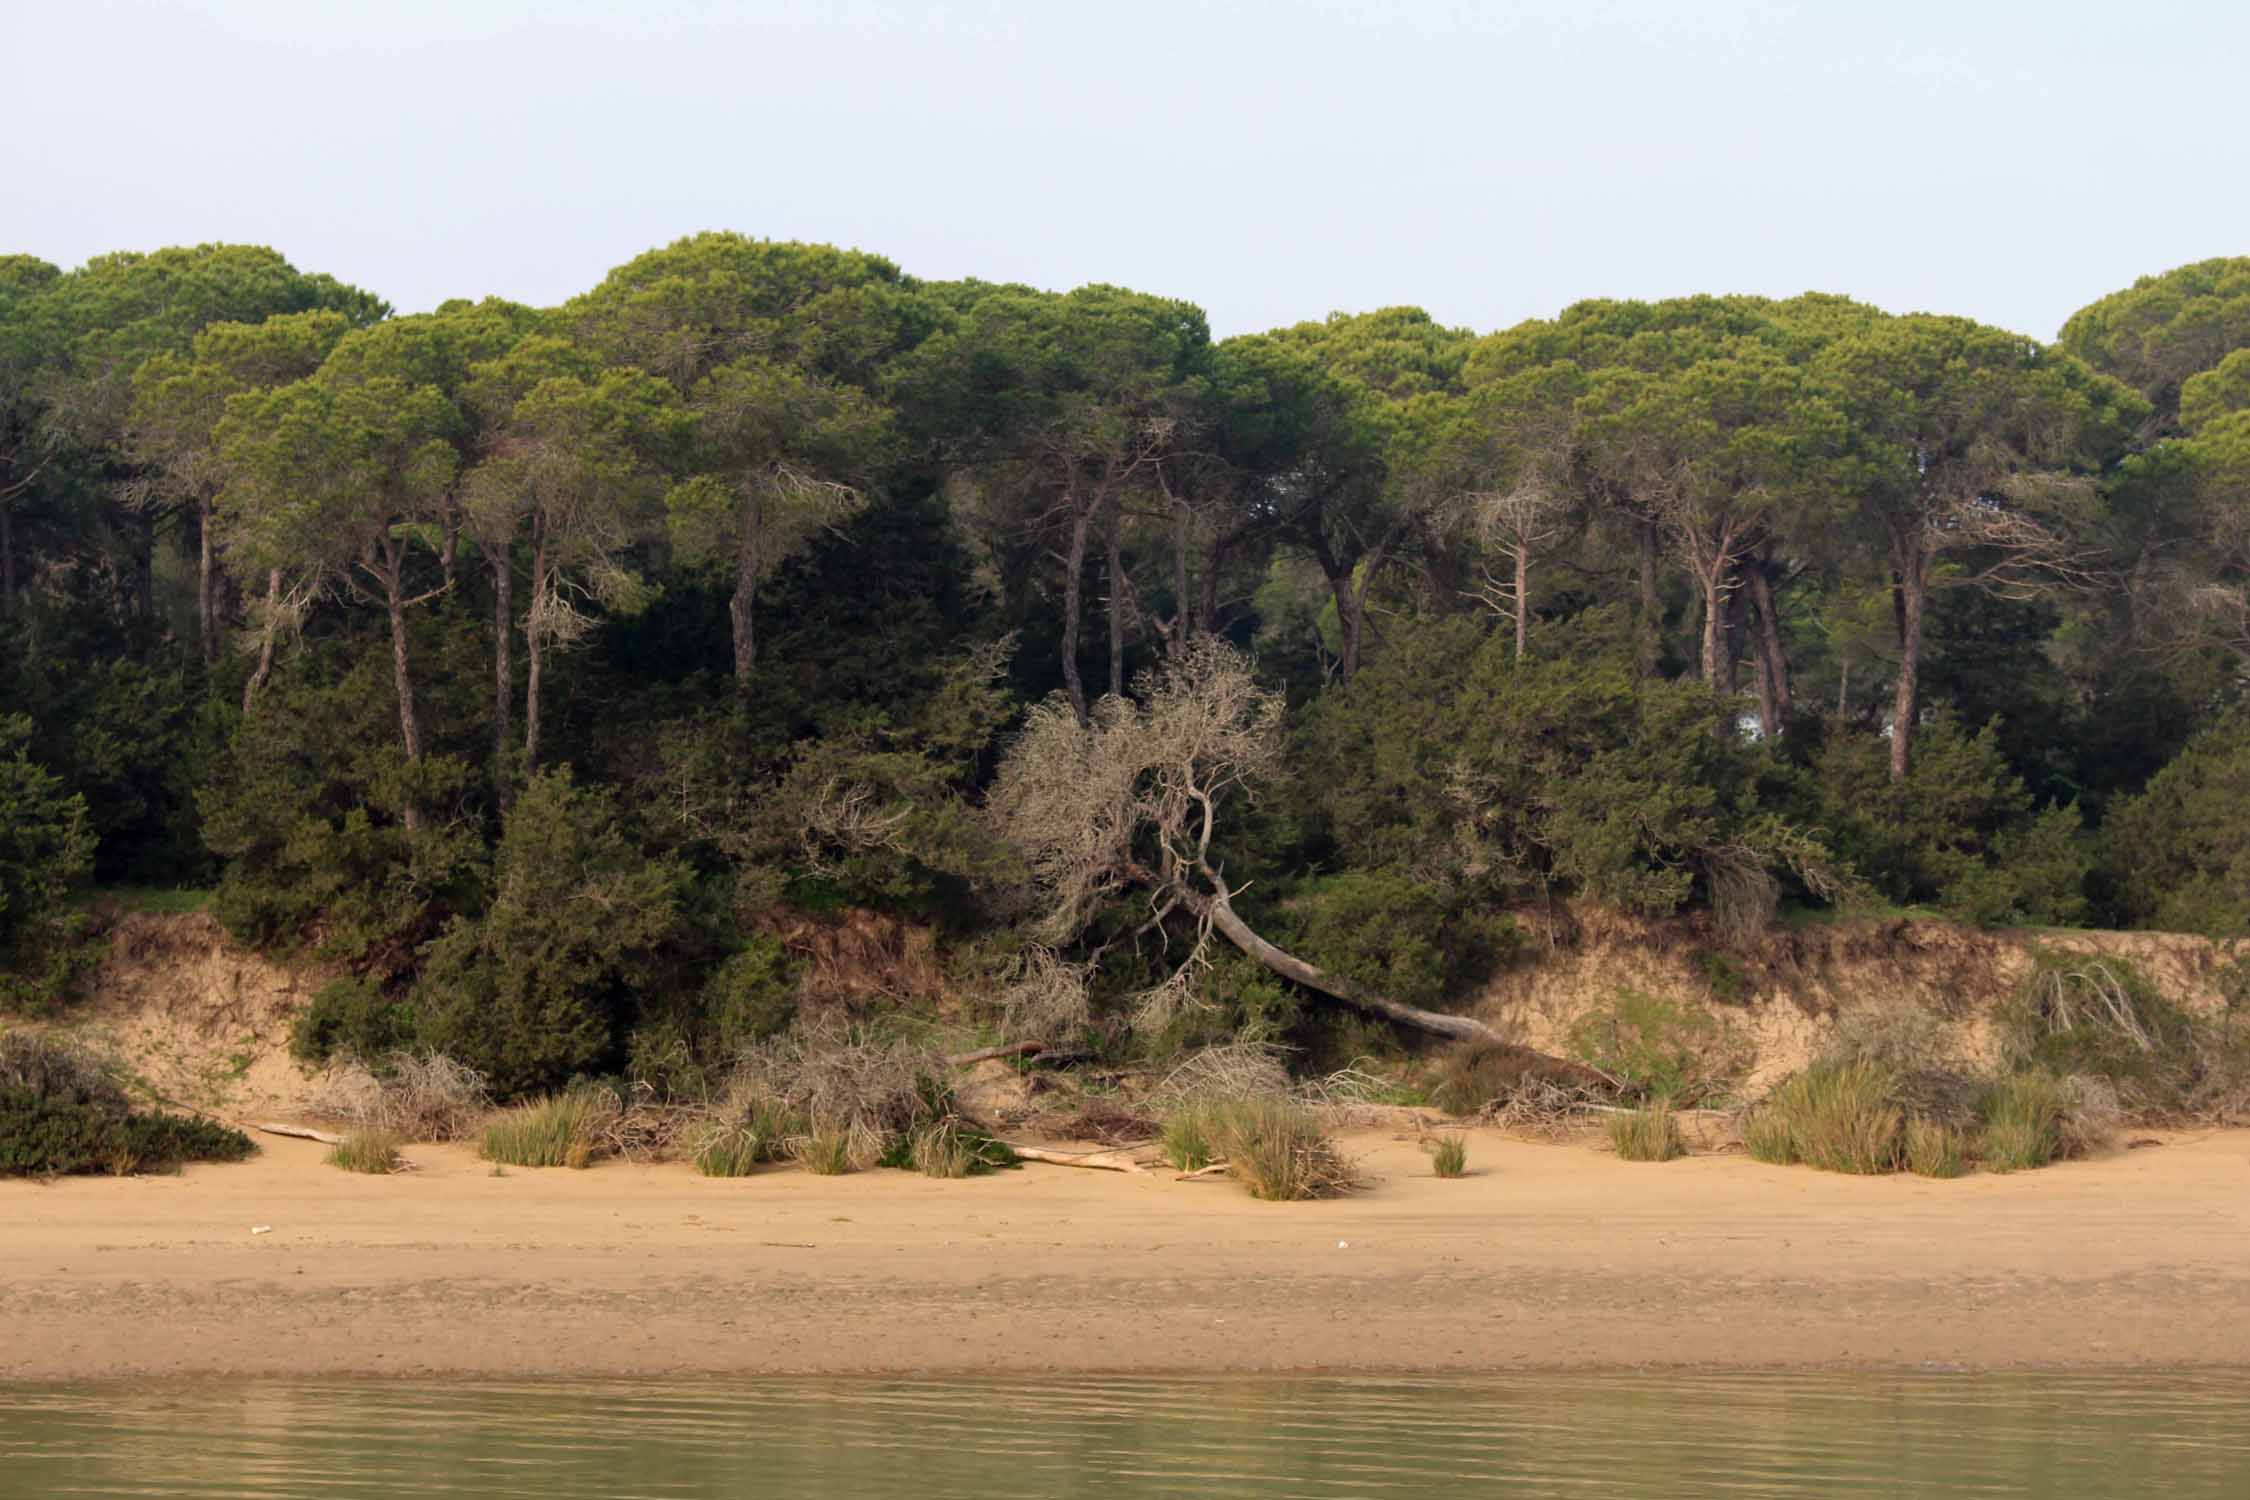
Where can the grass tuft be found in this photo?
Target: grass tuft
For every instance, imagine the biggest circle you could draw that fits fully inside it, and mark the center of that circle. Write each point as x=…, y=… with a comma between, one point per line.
x=555, y=1131
x=372, y=1151
x=1449, y=1155
x=1186, y=1139
x=1647, y=1134
x=1934, y=1149
x=2023, y=1122
x=827, y=1153
x=1839, y=1117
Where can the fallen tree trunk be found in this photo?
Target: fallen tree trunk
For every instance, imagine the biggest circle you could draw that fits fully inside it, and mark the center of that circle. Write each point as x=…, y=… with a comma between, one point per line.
x=301, y=1132
x=1437, y=1023
x=1103, y=1161
x=1005, y=1049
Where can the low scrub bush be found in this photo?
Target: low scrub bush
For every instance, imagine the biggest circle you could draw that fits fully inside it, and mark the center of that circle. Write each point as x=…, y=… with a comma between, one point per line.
x=1649, y=1133
x=1449, y=1155
x=1661, y=1049
x=1498, y=1081
x=372, y=1151
x=418, y=1097
x=1934, y=1149
x=559, y=1130
x=846, y=1080
x=2097, y=1016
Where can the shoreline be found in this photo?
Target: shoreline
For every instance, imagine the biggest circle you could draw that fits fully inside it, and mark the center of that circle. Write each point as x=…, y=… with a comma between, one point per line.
x=1545, y=1258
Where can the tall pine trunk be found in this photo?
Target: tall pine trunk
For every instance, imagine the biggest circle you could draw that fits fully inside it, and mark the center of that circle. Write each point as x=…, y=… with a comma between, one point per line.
x=1910, y=593
x=1523, y=594
x=271, y=635
x=1074, y=578
x=402, y=669
x=535, y=653
x=1116, y=606
x=503, y=661
x=1652, y=607
x=745, y=597
x=1774, y=697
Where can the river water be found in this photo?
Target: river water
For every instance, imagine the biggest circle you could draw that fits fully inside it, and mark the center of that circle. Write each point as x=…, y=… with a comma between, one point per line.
x=2182, y=1436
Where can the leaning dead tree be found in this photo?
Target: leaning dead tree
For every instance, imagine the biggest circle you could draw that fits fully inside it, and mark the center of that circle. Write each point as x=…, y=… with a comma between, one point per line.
x=1128, y=806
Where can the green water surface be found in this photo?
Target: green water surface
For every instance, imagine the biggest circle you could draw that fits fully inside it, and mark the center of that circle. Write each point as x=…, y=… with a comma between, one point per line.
x=2183, y=1436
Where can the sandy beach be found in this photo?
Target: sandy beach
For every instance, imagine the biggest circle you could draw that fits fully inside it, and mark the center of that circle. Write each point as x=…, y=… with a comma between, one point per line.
x=1545, y=1256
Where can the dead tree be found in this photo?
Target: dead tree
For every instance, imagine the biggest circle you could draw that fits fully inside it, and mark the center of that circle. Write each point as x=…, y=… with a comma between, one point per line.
x=1129, y=805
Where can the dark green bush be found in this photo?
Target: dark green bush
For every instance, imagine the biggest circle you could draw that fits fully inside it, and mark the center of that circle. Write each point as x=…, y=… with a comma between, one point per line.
x=46, y=850
x=1661, y=1050
x=62, y=1112
x=2178, y=855
x=537, y=991
x=166, y=1140
x=354, y=1018
x=1417, y=943
x=751, y=995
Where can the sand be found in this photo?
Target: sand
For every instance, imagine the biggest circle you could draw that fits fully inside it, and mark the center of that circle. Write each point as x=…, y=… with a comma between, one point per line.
x=1545, y=1256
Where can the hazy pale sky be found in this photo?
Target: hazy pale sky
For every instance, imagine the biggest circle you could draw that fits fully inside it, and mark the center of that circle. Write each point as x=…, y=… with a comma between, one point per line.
x=2005, y=159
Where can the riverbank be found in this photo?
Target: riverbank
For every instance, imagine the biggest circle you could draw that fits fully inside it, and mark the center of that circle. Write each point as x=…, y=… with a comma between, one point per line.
x=1545, y=1256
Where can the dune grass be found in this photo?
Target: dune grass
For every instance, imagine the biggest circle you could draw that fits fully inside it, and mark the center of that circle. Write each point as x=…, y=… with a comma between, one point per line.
x=2023, y=1122
x=1186, y=1137
x=1839, y=1117
x=1934, y=1149
x=1272, y=1144
x=1449, y=1155
x=1647, y=1134
x=372, y=1151
x=554, y=1131
x=826, y=1153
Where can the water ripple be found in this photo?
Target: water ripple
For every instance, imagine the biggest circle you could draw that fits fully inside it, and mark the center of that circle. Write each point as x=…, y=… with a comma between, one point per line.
x=1742, y=1437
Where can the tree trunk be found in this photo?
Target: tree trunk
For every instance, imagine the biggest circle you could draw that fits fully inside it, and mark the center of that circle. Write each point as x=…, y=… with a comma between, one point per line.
x=745, y=597
x=535, y=652
x=143, y=595
x=1523, y=593
x=7, y=558
x=402, y=671
x=1436, y=1023
x=1718, y=650
x=272, y=634
x=1652, y=624
x=1911, y=593
x=503, y=662
x=449, y=544
x=206, y=583
x=1774, y=697
x=1116, y=603
x=1074, y=571
x=1183, y=617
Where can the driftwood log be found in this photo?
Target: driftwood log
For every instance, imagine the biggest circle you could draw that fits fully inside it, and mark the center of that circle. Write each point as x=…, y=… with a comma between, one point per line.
x=1103, y=1161
x=301, y=1132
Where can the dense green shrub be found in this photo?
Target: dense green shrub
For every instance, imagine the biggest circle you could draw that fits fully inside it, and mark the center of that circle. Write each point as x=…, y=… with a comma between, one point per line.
x=1415, y=942
x=2100, y=1016
x=1567, y=770
x=353, y=1018
x=1959, y=832
x=46, y=849
x=751, y=995
x=61, y=1112
x=2178, y=855
x=537, y=991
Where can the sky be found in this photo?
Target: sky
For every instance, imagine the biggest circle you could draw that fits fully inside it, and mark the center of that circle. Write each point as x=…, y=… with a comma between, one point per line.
x=1272, y=162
